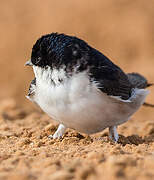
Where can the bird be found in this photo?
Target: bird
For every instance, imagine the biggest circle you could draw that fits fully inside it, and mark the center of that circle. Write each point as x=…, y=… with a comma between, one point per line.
x=81, y=88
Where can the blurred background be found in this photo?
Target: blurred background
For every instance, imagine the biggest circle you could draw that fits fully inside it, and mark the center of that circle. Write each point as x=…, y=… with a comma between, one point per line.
x=123, y=30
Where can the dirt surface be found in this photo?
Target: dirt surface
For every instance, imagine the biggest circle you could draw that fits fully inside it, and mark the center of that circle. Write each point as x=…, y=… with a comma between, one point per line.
x=122, y=30
x=26, y=152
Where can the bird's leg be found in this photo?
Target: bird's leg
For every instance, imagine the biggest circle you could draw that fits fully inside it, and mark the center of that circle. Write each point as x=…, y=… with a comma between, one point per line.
x=59, y=133
x=113, y=135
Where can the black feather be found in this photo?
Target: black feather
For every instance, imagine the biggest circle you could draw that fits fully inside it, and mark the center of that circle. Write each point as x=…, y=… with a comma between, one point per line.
x=31, y=90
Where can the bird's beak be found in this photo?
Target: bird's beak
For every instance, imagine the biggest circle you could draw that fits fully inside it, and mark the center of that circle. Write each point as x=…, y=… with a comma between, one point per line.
x=29, y=63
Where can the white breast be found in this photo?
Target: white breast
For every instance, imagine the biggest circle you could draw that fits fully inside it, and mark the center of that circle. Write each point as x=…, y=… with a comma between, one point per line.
x=79, y=104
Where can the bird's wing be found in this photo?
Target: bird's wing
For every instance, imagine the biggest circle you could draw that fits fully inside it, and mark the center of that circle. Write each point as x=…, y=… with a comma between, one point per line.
x=31, y=88
x=109, y=77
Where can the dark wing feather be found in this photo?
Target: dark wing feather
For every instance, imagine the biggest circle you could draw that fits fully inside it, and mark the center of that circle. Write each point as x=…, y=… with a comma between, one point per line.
x=110, y=78
x=31, y=87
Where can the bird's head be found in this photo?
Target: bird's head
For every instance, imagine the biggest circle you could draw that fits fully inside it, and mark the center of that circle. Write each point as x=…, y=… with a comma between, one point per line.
x=56, y=50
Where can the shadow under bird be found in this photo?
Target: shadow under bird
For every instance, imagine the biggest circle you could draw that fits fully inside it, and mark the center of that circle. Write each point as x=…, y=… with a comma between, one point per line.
x=81, y=88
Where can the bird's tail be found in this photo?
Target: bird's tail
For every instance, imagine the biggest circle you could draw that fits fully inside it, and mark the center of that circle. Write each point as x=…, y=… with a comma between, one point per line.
x=140, y=82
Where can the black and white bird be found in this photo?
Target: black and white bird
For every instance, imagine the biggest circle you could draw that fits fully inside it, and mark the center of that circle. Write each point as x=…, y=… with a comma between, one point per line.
x=81, y=88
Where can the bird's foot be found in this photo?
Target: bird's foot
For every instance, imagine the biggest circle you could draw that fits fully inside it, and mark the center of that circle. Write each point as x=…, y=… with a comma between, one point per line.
x=59, y=133
x=113, y=135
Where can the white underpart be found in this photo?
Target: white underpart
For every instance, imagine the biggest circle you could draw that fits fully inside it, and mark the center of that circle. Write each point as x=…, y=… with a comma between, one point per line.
x=28, y=98
x=79, y=104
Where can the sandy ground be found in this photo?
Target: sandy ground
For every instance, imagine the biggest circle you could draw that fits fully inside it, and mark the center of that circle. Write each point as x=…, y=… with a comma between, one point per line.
x=122, y=30
x=26, y=152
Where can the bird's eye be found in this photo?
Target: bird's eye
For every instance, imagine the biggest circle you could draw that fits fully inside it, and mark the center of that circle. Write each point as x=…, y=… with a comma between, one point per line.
x=38, y=60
